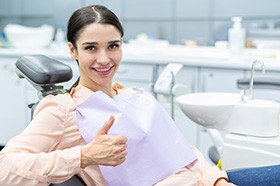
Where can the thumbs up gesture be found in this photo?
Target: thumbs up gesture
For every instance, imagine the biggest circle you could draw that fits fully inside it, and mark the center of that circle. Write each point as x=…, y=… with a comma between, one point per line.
x=104, y=149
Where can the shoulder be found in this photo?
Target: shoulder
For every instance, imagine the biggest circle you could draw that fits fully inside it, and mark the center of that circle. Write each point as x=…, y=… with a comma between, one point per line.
x=59, y=103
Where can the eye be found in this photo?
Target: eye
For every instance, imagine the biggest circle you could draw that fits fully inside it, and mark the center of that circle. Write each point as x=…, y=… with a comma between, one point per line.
x=114, y=45
x=90, y=47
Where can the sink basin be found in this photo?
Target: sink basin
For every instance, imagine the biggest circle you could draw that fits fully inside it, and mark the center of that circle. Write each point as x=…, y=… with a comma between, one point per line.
x=225, y=111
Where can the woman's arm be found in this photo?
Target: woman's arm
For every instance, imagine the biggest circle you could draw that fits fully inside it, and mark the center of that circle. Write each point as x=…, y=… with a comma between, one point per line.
x=29, y=158
x=210, y=175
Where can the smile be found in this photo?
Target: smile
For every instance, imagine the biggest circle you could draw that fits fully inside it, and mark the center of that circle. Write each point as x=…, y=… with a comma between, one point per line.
x=102, y=69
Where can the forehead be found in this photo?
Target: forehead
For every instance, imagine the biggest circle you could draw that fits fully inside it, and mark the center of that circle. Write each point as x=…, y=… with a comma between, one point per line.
x=97, y=31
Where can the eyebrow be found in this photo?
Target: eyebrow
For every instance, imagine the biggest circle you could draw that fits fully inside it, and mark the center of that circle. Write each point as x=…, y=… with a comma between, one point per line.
x=96, y=43
x=115, y=41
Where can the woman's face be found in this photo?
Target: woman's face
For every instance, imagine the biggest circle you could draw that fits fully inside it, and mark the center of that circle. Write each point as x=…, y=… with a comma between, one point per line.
x=99, y=53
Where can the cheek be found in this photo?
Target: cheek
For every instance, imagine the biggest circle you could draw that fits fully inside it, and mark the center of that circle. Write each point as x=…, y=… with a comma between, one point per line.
x=84, y=61
x=118, y=58
x=84, y=57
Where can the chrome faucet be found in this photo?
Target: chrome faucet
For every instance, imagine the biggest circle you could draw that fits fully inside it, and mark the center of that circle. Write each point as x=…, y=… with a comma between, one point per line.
x=252, y=76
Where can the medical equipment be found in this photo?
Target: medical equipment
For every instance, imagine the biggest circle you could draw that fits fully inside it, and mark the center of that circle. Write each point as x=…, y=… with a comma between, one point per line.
x=252, y=144
x=165, y=84
x=252, y=150
x=44, y=74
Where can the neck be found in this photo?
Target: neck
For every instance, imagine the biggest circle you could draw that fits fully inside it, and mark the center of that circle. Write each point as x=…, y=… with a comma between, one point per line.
x=106, y=89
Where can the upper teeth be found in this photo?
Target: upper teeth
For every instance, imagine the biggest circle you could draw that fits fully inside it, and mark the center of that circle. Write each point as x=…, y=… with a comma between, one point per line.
x=102, y=69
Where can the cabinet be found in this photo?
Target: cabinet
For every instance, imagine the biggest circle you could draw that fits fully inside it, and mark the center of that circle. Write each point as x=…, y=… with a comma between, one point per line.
x=20, y=8
x=248, y=8
x=270, y=94
x=43, y=8
x=219, y=80
x=4, y=7
x=10, y=8
x=136, y=75
x=13, y=106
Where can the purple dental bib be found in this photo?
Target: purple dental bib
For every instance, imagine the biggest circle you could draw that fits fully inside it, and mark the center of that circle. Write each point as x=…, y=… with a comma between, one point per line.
x=155, y=147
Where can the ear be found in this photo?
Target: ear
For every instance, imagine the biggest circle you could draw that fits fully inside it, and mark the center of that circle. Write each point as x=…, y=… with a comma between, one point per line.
x=73, y=51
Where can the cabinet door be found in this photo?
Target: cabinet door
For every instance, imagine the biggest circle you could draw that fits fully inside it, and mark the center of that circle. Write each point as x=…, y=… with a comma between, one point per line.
x=4, y=4
x=248, y=8
x=43, y=8
x=10, y=8
x=264, y=93
x=13, y=107
x=135, y=75
x=219, y=80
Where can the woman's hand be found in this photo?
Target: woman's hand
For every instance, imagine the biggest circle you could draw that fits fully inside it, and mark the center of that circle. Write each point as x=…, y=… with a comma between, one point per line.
x=104, y=149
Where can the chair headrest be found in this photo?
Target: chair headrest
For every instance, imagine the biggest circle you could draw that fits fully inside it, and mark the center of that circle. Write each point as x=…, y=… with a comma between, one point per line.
x=42, y=70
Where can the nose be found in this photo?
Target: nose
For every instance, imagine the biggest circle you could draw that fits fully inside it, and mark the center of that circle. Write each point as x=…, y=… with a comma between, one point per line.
x=102, y=57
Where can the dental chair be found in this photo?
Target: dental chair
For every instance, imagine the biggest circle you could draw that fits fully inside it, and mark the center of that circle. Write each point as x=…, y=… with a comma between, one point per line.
x=44, y=74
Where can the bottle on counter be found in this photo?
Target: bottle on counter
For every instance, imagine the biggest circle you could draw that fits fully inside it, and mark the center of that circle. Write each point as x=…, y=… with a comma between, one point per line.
x=236, y=36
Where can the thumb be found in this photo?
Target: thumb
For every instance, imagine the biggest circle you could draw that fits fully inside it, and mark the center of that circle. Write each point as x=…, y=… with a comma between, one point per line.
x=106, y=127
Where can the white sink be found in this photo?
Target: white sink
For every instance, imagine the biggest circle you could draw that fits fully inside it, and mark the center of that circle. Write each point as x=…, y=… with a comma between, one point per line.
x=225, y=111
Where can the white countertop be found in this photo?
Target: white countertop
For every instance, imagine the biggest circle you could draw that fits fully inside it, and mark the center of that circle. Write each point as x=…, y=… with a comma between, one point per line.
x=188, y=56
